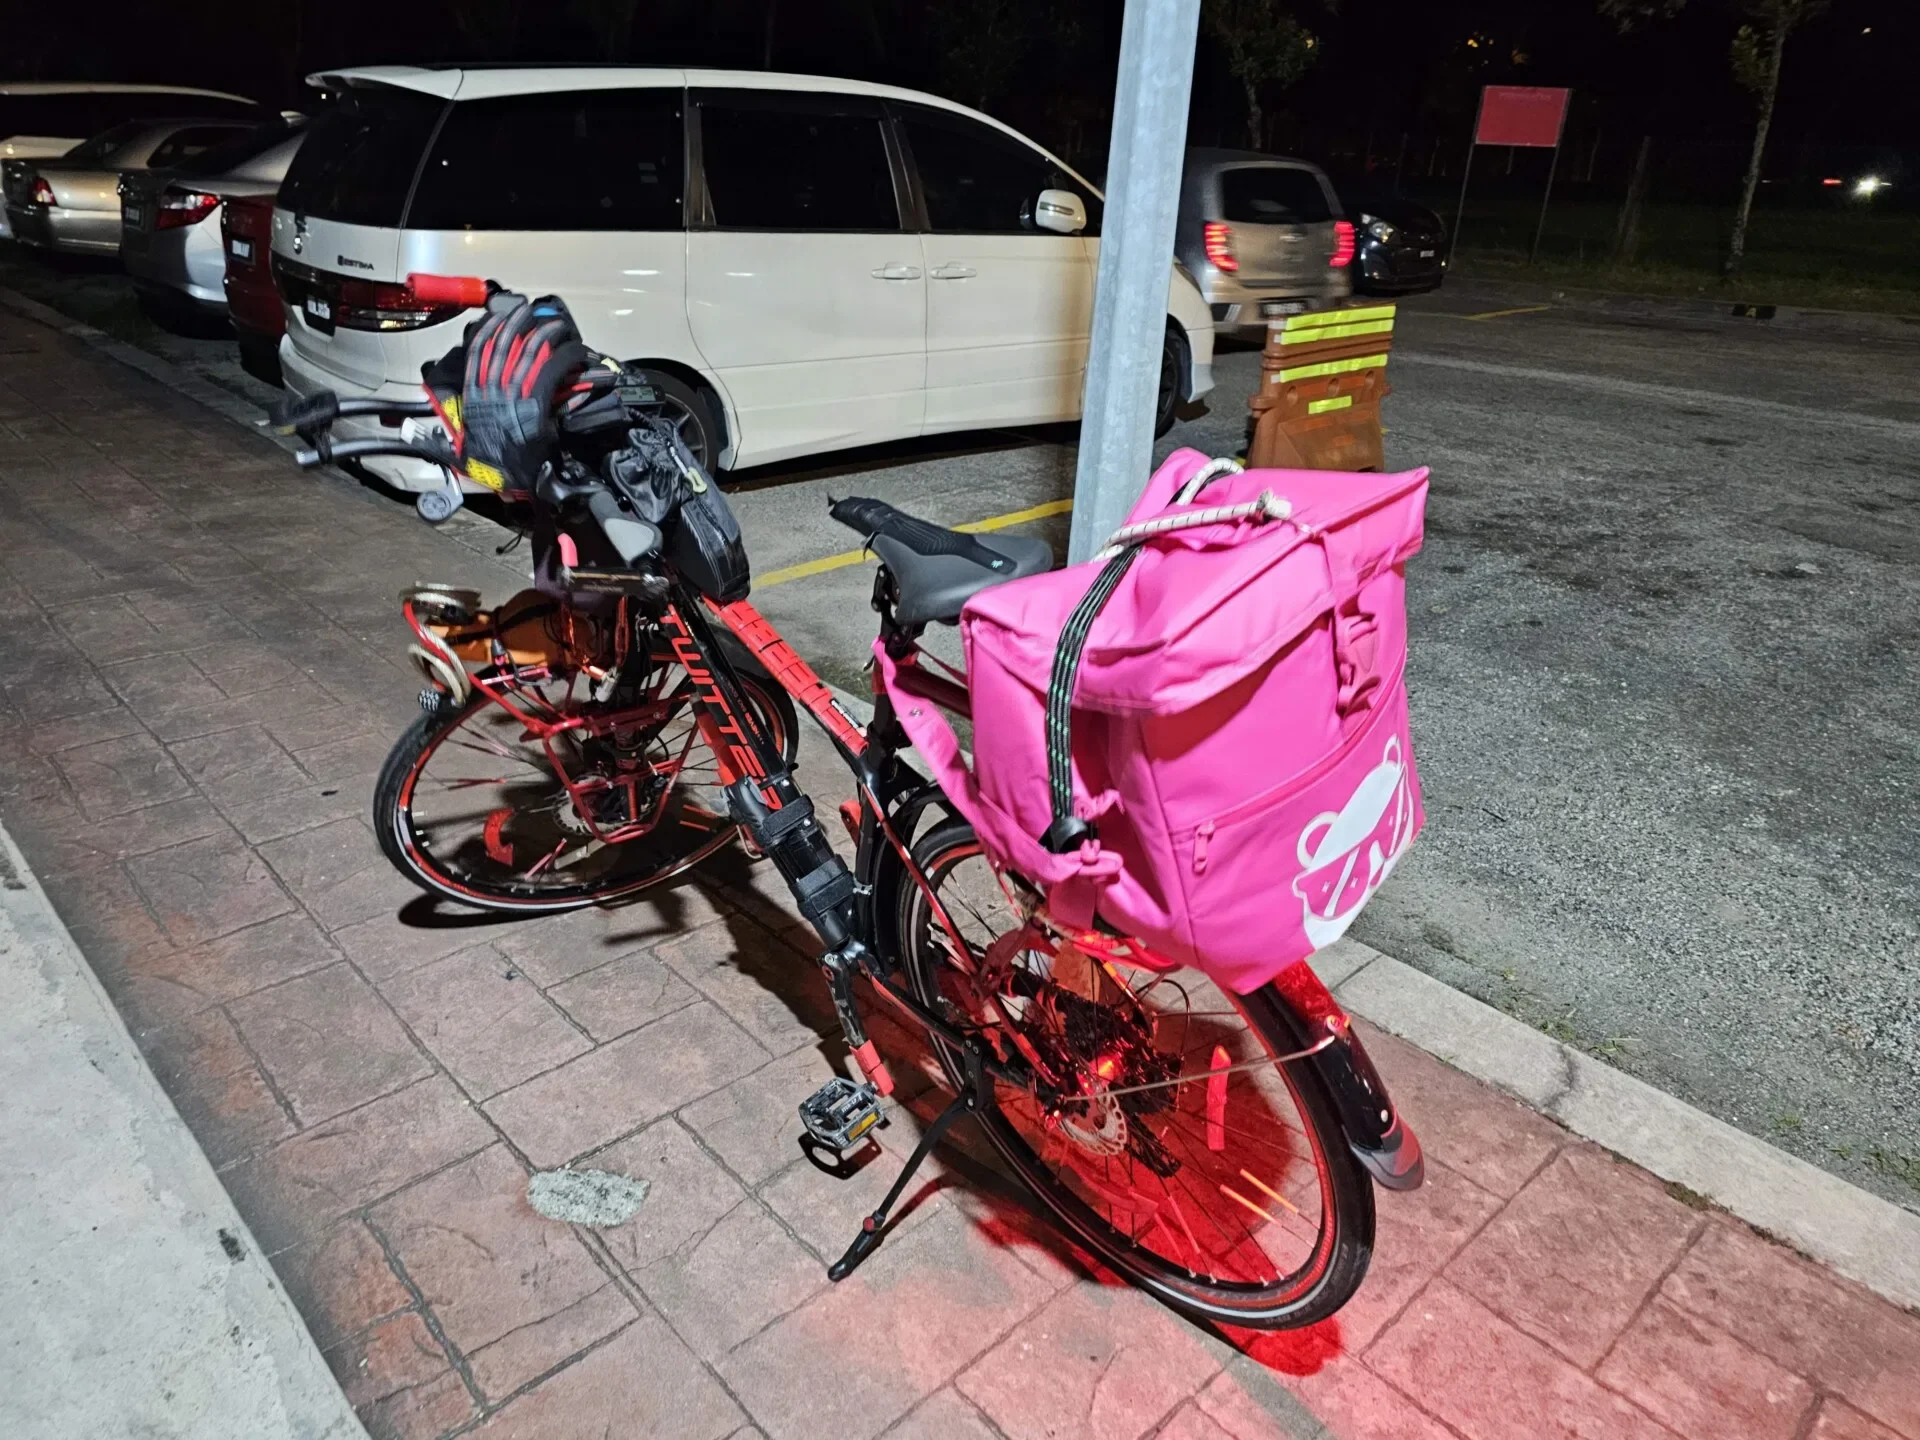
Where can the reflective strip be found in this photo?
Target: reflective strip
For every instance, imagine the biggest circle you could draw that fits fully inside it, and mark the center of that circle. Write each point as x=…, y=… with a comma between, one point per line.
x=1314, y=319
x=1337, y=402
x=1329, y=367
x=1335, y=332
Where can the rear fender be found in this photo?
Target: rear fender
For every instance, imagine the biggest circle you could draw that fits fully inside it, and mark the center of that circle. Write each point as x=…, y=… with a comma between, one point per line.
x=1299, y=1005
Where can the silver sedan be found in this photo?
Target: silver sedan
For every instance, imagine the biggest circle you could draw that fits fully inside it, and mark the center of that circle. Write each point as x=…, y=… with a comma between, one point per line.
x=72, y=203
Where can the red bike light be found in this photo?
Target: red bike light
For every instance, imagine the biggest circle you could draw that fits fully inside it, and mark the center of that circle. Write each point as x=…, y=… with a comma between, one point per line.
x=43, y=192
x=1342, y=244
x=1217, y=237
x=179, y=208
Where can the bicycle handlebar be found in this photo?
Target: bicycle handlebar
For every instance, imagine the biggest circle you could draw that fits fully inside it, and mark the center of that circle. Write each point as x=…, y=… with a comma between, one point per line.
x=325, y=452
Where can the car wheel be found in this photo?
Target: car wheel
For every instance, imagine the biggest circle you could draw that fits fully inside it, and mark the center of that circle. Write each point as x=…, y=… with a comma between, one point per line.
x=691, y=410
x=1173, y=367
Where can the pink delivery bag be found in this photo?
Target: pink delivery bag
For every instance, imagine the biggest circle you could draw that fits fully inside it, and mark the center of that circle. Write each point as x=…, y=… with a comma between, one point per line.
x=1238, y=732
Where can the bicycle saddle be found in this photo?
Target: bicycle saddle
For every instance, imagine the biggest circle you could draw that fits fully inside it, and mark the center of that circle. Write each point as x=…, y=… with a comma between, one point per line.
x=936, y=570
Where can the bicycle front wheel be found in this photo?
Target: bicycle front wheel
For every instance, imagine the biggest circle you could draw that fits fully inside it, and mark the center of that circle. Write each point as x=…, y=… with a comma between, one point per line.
x=1180, y=1156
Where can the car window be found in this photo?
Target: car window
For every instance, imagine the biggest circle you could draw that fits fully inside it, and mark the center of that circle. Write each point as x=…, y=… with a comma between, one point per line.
x=1272, y=195
x=783, y=163
x=981, y=181
x=589, y=160
x=235, y=147
x=358, y=162
x=92, y=152
x=186, y=144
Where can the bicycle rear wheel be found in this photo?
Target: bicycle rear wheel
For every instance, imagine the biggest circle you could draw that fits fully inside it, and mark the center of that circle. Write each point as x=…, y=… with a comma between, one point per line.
x=1210, y=1178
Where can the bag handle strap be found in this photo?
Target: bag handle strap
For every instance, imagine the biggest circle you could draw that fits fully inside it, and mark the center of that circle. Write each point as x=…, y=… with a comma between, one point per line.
x=1068, y=831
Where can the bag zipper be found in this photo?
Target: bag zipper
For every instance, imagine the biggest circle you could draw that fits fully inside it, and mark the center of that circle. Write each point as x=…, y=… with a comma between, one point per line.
x=1200, y=838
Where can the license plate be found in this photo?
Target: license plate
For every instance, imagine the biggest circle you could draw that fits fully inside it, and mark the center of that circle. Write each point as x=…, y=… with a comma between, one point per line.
x=134, y=215
x=1426, y=254
x=319, y=314
x=242, y=250
x=1282, y=307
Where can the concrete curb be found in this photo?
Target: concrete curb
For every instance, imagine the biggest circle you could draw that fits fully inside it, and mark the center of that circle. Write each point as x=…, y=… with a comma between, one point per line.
x=1858, y=1234
x=133, y=1298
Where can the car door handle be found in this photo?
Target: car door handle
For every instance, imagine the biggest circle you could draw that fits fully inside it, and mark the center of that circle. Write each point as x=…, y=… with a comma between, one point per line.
x=897, y=272
x=953, y=272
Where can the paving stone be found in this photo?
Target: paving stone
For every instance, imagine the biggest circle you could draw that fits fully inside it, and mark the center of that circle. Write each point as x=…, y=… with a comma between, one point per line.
x=1415, y=1235
x=1803, y=1319
x=643, y=1382
x=483, y=1020
x=112, y=777
x=480, y=1256
x=342, y=1282
x=78, y=842
x=350, y=758
x=303, y=1184
x=1495, y=1142
x=945, y=1415
x=421, y=1412
x=157, y=688
x=260, y=818
x=1248, y=1401
x=620, y=1086
x=1477, y=1373
x=532, y=1350
x=557, y=947
x=1838, y=1420
x=1577, y=1297
x=329, y=1042
x=214, y=712
x=46, y=699
x=246, y=960
x=688, y=1191
x=1103, y=1363
x=243, y=668
x=771, y=990
x=1701, y=1382
x=754, y=1123
x=698, y=1286
x=208, y=888
x=388, y=946
x=826, y=1210
x=339, y=874
x=923, y=1307
x=238, y=765
x=216, y=1085
x=1190, y=1422
x=622, y=995
x=1355, y=1404
x=108, y=722
x=110, y=630
x=397, y=1354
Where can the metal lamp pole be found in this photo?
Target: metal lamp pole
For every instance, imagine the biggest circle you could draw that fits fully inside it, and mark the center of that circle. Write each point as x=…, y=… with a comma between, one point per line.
x=1136, y=264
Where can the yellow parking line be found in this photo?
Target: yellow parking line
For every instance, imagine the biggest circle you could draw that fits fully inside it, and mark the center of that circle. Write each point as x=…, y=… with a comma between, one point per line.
x=854, y=557
x=1500, y=314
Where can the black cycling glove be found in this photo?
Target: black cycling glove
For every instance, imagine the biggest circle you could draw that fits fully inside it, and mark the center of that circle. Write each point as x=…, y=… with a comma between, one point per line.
x=518, y=355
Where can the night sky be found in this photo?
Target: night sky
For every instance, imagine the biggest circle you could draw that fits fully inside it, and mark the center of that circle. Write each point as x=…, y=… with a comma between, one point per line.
x=1385, y=67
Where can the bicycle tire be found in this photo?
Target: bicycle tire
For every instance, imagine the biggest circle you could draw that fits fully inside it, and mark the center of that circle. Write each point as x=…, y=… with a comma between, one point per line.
x=1340, y=1260
x=394, y=830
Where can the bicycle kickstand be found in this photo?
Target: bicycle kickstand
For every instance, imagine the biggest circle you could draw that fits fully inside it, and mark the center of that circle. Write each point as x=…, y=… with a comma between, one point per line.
x=873, y=1228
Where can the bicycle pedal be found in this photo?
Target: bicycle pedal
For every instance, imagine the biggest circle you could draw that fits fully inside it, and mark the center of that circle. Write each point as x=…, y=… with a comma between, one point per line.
x=840, y=1114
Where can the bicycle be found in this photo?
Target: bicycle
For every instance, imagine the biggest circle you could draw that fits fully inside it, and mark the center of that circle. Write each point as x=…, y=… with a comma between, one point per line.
x=620, y=726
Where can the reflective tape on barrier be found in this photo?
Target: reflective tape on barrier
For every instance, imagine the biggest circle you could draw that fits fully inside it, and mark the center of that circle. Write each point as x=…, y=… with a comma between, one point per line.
x=1334, y=402
x=1317, y=319
x=1335, y=332
x=1328, y=367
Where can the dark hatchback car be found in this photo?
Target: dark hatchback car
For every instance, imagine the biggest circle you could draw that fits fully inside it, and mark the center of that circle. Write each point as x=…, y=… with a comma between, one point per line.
x=1401, y=244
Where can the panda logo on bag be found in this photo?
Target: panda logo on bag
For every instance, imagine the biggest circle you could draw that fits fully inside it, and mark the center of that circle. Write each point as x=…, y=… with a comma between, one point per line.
x=1347, y=854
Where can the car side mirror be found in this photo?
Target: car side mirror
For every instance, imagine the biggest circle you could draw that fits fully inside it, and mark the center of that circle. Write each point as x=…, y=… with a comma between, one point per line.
x=1060, y=211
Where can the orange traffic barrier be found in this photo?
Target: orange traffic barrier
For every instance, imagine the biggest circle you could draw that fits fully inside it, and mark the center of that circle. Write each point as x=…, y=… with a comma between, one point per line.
x=1322, y=378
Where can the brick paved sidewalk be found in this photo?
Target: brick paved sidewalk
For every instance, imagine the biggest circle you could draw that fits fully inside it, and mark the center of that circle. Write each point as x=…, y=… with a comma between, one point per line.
x=202, y=671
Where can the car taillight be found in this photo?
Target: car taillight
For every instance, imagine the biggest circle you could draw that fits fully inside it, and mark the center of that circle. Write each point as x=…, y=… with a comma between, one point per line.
x=183, y=207
x=42, y=191
x=1218, y=239
x=383, y=305
x=1342, y=244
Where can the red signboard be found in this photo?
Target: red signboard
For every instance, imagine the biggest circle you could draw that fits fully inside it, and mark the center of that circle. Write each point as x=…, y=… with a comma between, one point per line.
x=1521, y=115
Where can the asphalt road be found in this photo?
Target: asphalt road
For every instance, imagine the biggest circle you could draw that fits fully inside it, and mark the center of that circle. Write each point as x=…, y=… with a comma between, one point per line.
x=1663, y=676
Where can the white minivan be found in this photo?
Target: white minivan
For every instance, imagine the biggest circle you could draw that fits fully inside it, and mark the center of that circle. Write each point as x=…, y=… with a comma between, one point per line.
x=798, y=264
